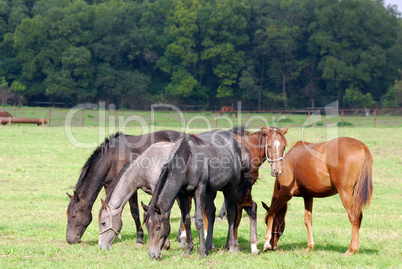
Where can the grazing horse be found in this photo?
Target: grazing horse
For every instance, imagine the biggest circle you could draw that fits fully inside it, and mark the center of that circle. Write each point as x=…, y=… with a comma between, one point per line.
x=100, y=170
x=342, y=165
x=228, y=109
x=142, y=173
x=197, y=166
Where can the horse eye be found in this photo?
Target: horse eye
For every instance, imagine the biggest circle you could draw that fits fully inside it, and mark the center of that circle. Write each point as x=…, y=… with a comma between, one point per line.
x=73, y=217
x=158, y=228
x=103, y=223
x=269, y=146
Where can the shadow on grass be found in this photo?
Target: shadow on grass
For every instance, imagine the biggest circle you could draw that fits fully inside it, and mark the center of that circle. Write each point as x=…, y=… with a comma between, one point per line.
x=301, y=246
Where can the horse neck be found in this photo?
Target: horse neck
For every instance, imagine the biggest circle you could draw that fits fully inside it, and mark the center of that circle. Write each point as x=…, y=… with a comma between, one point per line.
x=126, y=186
x=256, y=147
x=253, y=143
x=94, y=180
x=169, y=193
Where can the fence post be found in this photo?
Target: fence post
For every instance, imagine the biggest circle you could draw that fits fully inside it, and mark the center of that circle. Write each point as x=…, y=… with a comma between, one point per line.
x=116, y=117
x=50, y=115
x=342, y=118
x=216, y=119
x=309, y=118
x=15, y=112
x=279, y=119
x=82, y=117
x=375, y=114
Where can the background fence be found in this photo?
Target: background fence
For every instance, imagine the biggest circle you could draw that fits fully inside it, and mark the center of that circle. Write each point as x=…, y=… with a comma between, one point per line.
x=212, y=119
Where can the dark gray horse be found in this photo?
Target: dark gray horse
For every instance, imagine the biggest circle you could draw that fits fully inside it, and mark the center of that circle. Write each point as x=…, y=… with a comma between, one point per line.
x=142, y=173
x=197, y=167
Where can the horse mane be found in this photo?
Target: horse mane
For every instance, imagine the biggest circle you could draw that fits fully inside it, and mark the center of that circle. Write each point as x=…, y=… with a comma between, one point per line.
x=100, y=151
x=239, y=130
x=180, y=152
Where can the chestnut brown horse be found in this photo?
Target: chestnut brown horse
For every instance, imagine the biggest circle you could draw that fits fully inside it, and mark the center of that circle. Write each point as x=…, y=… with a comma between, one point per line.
x=267, y=144
x=228, y=109
x=342, y=165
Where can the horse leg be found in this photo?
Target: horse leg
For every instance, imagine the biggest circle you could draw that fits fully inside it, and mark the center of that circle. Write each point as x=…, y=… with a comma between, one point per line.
x=209, y=213
x=186, y=220
x=283, y=197
x=239, y=211
x=181, y=235
x=252, y=214
x=346, y=198
x=199, y=221
x=308, y=220
x=230, y=202
x=135, y=213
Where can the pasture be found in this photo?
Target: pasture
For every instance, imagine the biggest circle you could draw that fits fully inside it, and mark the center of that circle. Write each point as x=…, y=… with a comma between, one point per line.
x=39, y=165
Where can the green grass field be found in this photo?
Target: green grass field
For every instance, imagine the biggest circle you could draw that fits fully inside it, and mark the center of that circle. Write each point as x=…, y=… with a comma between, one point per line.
x=39, y=165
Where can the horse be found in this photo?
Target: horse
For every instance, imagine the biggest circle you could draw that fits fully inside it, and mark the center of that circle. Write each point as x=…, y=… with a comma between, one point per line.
x=197, y=166
x=267, y=144
x=228, y=109
x=142, y=173
x=342, y=165
x=100, y=170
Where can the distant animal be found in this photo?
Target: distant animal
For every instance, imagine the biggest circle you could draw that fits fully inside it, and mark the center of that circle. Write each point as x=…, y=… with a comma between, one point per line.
x=228, y=109
x=197, y=166
x=342, y=165
x=100, y=170
x=142, y=173
x=5, y=114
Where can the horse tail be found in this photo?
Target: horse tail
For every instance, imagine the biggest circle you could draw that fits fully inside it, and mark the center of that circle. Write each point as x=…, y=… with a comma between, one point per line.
x=363, y=188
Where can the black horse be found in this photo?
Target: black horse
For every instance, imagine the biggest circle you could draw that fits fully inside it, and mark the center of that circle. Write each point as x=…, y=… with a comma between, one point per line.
x=100, y=170
x=197, y=167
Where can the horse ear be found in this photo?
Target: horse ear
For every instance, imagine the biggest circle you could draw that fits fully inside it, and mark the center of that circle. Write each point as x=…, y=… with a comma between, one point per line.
x=69, y=195
x=284, y=131
x=264, y=128
x=265, y=206
x=76, y=197
x=104, y=205
x=158, y=209
x=144, y=206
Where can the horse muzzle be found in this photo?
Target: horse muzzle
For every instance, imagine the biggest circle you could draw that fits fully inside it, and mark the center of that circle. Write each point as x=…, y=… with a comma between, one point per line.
x=275, y=173
x=77, y=240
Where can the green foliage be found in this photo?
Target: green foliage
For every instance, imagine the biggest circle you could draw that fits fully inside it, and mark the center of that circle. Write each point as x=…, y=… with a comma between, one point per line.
x=355, y=99
x=266, y=53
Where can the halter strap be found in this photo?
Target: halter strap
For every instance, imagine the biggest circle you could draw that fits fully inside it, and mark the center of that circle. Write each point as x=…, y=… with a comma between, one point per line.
x=111, y=223
x=266, y=154
x=279, y=232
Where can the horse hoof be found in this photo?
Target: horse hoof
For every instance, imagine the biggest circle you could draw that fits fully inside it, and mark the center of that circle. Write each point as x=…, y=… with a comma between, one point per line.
x=349, y=253
x=139, y=243
x=219, y=219
x=267, y=246
x=254, y=249
x=308, y=248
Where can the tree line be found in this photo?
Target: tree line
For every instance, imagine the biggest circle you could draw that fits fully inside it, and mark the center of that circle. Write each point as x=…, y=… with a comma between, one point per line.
x=265, y=53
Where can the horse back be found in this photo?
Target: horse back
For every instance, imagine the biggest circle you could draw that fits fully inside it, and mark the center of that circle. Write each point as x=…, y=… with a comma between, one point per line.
x=321, y=169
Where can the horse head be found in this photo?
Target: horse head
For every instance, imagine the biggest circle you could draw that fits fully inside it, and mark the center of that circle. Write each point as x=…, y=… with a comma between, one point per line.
x=79, y=216
x=278, y=225
x=158, y=226
x=275, y=144
x=110, y=224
